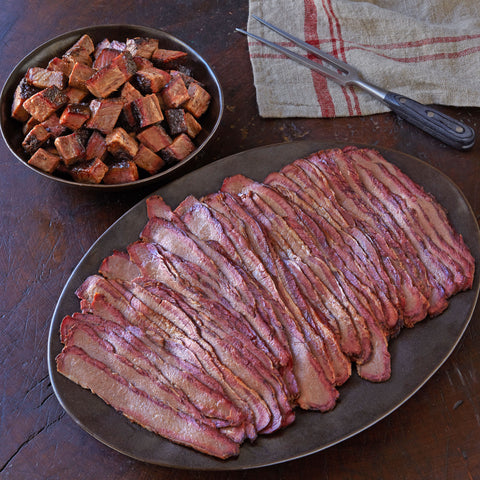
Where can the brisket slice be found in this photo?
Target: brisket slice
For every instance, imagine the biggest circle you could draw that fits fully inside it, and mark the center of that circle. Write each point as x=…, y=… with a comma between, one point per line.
x=439, y=277
x=230, y=282
x=117, y=356
x=118, y=266
x=409, y=273
x=178, y=376
x=348, y=247
x=156, y=268
x=210, y=237
x=208, y=319
x=157, y=329
x=429, y=212
x=316, y=392
x=285, y=238
x=136, y=405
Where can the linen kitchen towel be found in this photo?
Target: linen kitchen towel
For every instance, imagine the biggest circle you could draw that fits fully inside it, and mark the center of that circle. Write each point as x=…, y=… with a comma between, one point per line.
x=428, y=50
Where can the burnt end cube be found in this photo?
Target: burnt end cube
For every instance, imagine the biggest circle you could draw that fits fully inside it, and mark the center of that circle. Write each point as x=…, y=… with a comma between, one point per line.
x=151, y=79
x=96, y=147
x=106, y=81
x=120, y=144
x=75, y=95
x=121, y=172
x=43, y=78
x=199, y=100
x=154, y=137
x=124, y=61
x=176, y=121
x=78, y=54
x=79, y=75
x=70, y=147
x=129, y=93
x=148, y=160
x=23, y=91
x=146, y=110
x=179, y=149
x=75, y=115
x=142, y=63
x=193, y=127
x=105, y=58
x=89, y=172
x=46, y=161
x=63, y=65
x=175, y=93
x=85, y=42
x=81, y=51
x=53, y=126
x=110, y=78
x=142, y=47
x=35, y=138
x=104, y=114
x=163, y=57
x=44, y=103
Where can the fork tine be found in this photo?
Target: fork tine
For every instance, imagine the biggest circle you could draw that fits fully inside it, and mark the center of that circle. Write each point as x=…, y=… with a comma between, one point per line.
x=336, y=62
x=328, y=72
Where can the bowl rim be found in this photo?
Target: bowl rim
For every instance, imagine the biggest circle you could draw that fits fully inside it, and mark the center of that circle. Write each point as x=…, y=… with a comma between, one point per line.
x=24, y=64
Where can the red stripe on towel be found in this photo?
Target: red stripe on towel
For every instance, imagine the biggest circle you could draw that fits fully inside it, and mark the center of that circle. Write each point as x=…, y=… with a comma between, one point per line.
x=422, y=42
x=350, y=92
x=324, y=98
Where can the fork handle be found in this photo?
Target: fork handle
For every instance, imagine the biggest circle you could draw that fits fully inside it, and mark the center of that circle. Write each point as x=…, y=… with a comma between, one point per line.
x=441, y=126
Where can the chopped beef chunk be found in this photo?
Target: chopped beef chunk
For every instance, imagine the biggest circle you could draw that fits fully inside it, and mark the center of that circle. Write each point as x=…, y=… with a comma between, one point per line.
x=74, y=115
x=43, y=78
x=35, y=138
x=89, y=172
x=44, y=103
x=79, y=75
x=148, y=160
x=70, y=147
x=44, y=160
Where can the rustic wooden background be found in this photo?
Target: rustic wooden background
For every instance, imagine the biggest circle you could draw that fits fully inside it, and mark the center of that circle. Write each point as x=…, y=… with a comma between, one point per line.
x=46, y=228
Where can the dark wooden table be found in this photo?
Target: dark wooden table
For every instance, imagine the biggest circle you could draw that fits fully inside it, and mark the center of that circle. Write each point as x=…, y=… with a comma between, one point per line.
x=47, y=227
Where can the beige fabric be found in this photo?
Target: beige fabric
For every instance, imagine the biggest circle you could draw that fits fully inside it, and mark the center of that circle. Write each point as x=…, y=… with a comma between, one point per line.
x=428, y=50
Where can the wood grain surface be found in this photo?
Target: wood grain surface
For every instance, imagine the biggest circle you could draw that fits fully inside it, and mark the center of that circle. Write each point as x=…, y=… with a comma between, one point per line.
x=47, y=227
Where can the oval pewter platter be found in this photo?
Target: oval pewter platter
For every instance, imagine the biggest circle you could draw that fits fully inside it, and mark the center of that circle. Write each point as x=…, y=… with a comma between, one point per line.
x=416, y=353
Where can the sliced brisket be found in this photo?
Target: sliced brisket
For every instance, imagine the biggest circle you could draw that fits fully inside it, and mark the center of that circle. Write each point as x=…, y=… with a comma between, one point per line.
x=136, y=405
x=234, y=308
x=316, y=392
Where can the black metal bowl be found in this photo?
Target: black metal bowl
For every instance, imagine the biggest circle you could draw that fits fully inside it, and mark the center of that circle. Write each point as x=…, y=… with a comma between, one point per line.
x=201, y=71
